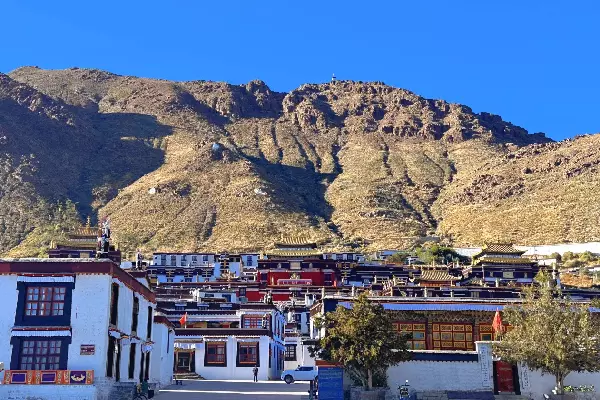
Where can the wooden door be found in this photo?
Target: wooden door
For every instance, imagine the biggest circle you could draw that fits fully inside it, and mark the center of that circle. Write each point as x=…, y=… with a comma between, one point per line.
x=504, y=378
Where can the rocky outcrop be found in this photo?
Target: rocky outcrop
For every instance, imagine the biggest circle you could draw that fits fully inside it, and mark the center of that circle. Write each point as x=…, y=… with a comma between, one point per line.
x=210, y=165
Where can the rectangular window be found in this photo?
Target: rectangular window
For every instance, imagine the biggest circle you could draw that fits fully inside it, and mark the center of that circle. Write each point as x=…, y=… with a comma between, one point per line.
x=163, y=259
x=248, y=353
x=40, y=355
x=173, y=260
x=242, y=291
x=215, y=353
x=290, y=352
x=248, y=260
x=114, y=304
x=187, y=279
x=45, y=301
x=416, y=332
x=132, y=347
x=135, y=314
x=204, y=258
x=254, y=322
x=149, y=325
x=452, y=336
x=194, y=259
x=142, y=365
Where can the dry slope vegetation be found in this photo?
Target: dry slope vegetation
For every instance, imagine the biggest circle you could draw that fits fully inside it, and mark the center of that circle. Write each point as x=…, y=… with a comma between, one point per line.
x=206, y=165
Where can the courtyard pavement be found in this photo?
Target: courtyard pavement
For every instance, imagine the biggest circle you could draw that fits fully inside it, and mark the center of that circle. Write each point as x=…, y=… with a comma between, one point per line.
x=234, y=390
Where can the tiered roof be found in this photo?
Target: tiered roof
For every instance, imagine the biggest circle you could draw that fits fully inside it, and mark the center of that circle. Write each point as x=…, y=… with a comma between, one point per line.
x=501, y=253
x=437, y=275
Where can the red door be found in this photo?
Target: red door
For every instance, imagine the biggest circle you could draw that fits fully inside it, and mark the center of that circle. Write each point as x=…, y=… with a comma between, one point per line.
x=504, y=377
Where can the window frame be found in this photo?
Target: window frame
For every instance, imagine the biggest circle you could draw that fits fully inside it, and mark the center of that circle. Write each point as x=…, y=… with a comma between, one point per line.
x=217, y=346
x=45, y=295
x=248, y=363
x=17, y=350
x=287, y=354
x=21, y=319
x=416, y=327
x=251, y=319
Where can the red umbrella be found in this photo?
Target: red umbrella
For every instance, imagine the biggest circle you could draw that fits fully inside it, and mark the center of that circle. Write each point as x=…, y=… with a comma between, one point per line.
x=497, y=325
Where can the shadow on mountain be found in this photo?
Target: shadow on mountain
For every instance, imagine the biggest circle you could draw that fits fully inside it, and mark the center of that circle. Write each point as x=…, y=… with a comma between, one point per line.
x=296, y=189
x=128, y=148
x=88, y=162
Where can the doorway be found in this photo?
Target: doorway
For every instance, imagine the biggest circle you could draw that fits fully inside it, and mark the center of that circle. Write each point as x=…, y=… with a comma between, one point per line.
x=506, y=378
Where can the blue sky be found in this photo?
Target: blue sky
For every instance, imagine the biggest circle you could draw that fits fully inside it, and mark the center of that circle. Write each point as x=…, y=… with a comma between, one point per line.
x=535, y=63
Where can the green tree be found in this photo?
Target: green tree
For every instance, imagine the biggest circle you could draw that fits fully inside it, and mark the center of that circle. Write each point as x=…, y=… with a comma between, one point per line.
x=399, y=257
x=587, y=257
x=568, y=255
x=552, y=334
x=363, y=340
x=574, y=263
x=436, y=253
x=556, y=256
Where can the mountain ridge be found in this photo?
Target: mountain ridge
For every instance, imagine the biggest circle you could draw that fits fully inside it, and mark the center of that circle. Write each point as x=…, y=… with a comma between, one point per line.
x=345, y=163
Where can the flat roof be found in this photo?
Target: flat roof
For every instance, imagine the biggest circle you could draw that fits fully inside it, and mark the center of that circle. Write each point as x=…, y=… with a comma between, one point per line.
x=51, y=266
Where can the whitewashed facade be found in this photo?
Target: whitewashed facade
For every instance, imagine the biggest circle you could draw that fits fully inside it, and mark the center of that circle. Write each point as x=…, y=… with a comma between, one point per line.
x=89, y=322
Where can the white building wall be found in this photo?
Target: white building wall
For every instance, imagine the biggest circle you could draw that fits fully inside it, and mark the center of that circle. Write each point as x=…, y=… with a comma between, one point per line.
x=231, y=371
x=8, y=299
x=303, y=356
x=438, y=375
x=124, y=321
x=42, y=392
x=89, y=322
x=162, y=355
x=534, y=384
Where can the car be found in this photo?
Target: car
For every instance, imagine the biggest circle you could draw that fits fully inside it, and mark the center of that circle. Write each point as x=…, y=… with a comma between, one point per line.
x=299, y=374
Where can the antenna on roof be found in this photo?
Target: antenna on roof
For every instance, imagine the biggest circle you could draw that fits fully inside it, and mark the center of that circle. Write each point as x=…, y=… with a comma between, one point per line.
x=333, y=79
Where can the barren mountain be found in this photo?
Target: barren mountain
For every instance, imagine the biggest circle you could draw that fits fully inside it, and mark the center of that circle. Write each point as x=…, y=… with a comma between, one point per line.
x=212, y=166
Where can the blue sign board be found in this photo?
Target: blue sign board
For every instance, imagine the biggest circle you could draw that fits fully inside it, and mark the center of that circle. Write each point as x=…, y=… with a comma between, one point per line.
x=331, y=383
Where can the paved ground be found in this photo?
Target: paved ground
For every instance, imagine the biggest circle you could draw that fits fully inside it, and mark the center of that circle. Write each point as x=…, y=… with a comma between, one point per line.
x=234, y=390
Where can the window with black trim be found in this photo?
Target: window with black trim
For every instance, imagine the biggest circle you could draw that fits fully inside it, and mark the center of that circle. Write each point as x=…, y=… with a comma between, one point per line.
x=114, y=304
x=142, y=365
x=44, y=304
x=44, y=301
x=248, y=354
x=135, y=313
x=216, y=354
x=290, y=352
x=40, y=354
x=132, y=348
x=149, y=326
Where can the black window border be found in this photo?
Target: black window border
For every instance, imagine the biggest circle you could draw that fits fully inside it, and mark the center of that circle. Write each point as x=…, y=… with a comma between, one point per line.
x=17, y=344
x=211, y=364
x=52, y=320
x=242, y=365
x=285, y=353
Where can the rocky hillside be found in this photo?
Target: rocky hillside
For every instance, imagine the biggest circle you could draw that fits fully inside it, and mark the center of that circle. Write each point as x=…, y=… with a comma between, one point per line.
x=207, y=165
